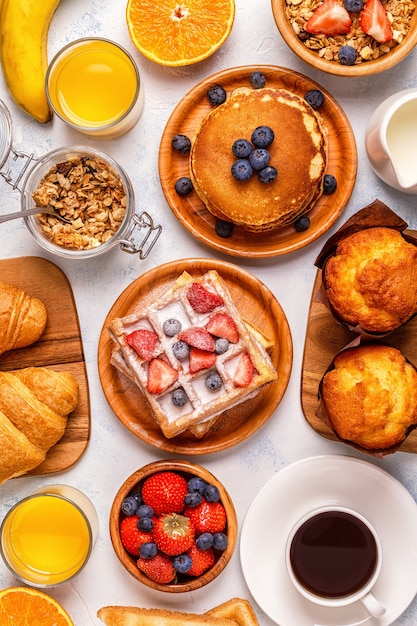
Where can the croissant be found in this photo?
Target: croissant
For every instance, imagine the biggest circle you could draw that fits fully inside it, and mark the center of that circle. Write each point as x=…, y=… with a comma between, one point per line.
x=22, y=318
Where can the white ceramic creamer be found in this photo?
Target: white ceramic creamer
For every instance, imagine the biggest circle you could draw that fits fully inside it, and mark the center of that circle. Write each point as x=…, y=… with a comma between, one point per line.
x=391, y=141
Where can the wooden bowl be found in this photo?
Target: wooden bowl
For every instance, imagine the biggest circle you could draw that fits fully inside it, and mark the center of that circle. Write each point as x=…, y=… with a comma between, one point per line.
x=133, y=484
x=366, y=68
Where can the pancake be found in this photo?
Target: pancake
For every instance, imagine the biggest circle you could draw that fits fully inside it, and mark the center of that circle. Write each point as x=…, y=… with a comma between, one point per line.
x=298, y=152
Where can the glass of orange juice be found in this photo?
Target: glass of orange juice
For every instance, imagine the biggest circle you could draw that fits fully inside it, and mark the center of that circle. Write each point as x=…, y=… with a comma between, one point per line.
x=47, y=538
x=93, y=84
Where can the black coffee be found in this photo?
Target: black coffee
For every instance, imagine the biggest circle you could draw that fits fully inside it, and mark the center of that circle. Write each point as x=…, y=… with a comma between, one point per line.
x=333, y=554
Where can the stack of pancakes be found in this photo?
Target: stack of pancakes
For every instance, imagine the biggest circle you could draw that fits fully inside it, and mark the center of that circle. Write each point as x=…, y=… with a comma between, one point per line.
x=298, y=152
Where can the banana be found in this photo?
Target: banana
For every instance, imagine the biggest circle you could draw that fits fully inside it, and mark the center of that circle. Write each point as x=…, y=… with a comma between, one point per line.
x=24, y=26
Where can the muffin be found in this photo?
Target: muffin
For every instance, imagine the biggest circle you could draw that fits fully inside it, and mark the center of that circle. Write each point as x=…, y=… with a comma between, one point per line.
x=370, y=396
x=371, y=280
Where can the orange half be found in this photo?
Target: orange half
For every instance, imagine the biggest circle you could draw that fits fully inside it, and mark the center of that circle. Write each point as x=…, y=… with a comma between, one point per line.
x=24, y=606
x=179, y=33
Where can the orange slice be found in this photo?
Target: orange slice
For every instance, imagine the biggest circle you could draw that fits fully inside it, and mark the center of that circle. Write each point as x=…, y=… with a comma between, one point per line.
x=24, y=606
x=179, y=33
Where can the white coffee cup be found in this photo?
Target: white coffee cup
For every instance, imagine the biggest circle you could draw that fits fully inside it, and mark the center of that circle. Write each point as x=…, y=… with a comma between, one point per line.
x=334, y=557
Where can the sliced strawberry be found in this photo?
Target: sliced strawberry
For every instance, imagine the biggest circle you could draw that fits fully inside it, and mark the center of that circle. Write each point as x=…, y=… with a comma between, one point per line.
x=244, y=371
x=198, y=337
x=143, y=342
x=374, y=21
x=330, y=18
x=222, y=325
x=200, y=360
x=160, y=376
x=202, y=300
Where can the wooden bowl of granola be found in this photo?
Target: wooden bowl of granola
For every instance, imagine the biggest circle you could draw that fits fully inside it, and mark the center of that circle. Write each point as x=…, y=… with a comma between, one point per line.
x=322, y=51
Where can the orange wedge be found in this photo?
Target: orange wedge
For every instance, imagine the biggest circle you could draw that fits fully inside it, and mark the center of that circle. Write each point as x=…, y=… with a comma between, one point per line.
x=179, y=33
x=23, y=606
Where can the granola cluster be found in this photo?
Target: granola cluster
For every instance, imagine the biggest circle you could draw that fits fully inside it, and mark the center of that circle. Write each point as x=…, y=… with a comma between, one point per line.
x=90, y=194
x=399, y=14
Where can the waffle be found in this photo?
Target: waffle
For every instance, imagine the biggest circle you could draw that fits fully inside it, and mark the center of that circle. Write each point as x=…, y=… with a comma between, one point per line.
x=240, y=372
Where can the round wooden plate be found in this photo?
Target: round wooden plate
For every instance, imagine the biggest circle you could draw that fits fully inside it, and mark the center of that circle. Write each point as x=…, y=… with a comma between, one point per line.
x=257, y=305
x=192, y=213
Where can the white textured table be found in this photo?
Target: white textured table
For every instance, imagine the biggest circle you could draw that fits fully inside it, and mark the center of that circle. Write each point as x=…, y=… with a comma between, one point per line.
x=113, y=453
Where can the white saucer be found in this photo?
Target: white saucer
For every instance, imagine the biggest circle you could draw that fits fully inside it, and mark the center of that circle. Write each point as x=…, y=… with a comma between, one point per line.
x=315, y=482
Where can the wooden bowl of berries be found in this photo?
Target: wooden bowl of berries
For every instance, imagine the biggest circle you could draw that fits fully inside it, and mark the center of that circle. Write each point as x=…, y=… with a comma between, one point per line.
x=348, y=37
x=173, y=526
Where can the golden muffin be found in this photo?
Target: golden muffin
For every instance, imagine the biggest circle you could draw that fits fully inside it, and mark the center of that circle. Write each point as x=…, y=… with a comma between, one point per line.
x=370, y=396
x=298, y=152
x=371, y=280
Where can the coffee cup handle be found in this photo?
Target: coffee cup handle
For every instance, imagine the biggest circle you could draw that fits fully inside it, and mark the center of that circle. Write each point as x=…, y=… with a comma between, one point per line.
x=373, y=606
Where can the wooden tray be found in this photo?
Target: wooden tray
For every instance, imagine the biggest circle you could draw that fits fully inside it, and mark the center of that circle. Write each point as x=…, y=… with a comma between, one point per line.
x=59, y=348
x=324, y=339
x=256, y=304
x=192, y=213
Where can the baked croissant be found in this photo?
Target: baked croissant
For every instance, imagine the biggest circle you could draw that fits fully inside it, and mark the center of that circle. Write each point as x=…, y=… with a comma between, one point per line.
x=34, y=406
x=22, y=318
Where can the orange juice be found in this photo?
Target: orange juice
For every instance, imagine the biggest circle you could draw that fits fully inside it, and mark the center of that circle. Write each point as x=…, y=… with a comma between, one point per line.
x=46, y=539
x=94, y=85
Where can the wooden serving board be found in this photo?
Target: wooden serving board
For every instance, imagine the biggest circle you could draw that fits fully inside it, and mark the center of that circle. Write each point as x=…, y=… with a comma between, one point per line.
x=324, y=339
x=59, y=348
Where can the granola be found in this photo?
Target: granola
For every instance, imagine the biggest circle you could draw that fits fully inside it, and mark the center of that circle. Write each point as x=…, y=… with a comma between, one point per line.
x=399, y=14
x=90, y=194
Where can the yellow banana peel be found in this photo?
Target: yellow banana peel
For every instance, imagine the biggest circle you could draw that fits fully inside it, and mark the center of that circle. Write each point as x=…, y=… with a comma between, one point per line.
x=24, y=26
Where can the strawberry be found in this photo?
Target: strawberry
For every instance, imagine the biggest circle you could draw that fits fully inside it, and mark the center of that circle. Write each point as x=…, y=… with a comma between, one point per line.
x=159, y=568
x=330, y=18
x=197, y=337
x=202, y=300
x=374, y=21
x=173, y=534
x=222, y=325
x=201, y=359
x=244, y=371
x=143, y=342
x=202, y=560
x=132, y=538
x=207, y=517
x=165, y=492
x=160, y=376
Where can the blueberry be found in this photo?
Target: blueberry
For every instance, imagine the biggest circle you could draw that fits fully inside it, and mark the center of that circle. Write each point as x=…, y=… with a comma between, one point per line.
x=181, y=350
x=353, y=6
x=220, y=541
x=267, y=174
x=259, y=158
x=347, y=55
x=329, y=184
x=242, y=148
x=145, y=524
x=213, y=381
x=129, y=505
x=148, y=550
x=145, y=511
x=204, y=541
x=221, y=345
x=196, y=484
x=179, y=397
x=262, y=136
x=183, y=186
x=242, y=169
x=257, y=80
x=193, y=498
x=182, y=563
x=224, y=229
x=211, y=493
x=302, y=223
x=171, y=327
x=315, y=98
x=138, y=497
x=216, y=95
x=181, y=143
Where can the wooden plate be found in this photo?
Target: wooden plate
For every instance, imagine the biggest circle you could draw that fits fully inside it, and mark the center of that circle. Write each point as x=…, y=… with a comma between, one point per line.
x=59, y=348
x=324, y=339
x=192, y=213
x=256, y=304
